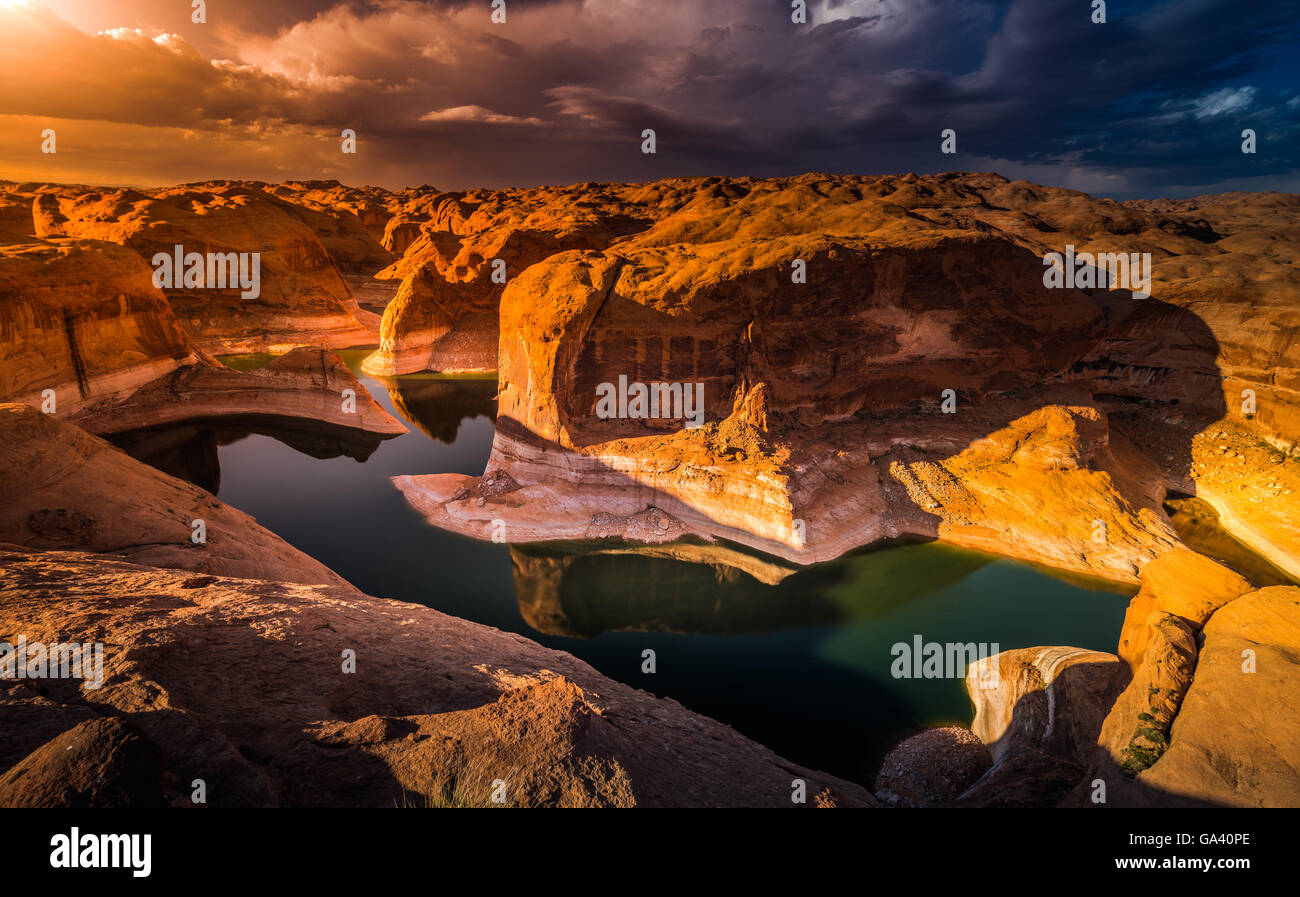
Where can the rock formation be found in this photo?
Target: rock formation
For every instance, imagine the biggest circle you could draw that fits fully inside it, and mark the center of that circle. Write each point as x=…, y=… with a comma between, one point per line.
x=824, y=318
x=458, y=250
x=81, y=318
x=828, y=321
x=224, y=662
x=1198, y=709
x=101, y=762
x=63, y=489
x=1040, y=717
x=86, y=336
x=874, y=358
x=349, y=221
x=1236, y=738
x=310, y=387
x=932, y=768
x=302, y=298
x=1208, y=714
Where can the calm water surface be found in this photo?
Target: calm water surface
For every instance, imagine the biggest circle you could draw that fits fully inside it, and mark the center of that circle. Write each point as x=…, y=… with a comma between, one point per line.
x=801, y=666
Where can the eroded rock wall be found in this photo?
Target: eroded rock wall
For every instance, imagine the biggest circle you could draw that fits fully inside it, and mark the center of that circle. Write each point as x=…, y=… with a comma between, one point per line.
x=881, y=356
x=302, y=298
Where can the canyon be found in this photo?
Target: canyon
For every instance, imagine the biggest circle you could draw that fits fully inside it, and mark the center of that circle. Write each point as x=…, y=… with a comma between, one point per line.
x=880, y=359
x=825, y=428
x=224, y=663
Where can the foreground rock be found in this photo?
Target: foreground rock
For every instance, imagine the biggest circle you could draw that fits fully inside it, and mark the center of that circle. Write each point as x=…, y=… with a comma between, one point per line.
x=932, y=768
x=1039, y=710
x=1198, y=710
x=61, y=488
x=1236, y=738
x=102, y=762
x=240, y=683
x=1209, y=714
x=1180, y=591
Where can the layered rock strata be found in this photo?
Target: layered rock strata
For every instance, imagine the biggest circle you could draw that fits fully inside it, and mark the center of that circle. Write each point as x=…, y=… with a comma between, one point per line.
x=883, y=357
x=86, y=336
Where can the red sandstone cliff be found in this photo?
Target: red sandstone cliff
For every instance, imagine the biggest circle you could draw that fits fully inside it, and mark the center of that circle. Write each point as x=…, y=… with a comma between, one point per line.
x=303, y=299
x=1075, y=409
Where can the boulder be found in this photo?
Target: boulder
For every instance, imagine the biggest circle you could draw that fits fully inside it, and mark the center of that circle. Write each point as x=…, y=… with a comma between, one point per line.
x=1039, y=710
x=932, y=768
x=101, y=762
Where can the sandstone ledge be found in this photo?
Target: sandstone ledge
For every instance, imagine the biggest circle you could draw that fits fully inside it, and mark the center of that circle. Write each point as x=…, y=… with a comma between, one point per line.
x=312, y=386
x=1031, y=489
x=62, y=488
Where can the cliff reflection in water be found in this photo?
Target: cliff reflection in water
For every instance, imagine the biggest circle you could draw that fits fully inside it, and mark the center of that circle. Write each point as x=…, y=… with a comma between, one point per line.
x=714, y=589
x=189, y=451
x=438, y=405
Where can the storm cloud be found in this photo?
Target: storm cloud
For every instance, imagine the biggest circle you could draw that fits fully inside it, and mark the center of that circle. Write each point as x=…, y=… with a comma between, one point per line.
x=1153, y=102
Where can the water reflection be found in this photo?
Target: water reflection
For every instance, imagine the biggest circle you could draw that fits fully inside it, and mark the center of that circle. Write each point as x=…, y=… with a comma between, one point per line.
x=795, y=658
x=572, y=591
x=438, y=406
x=189, y=451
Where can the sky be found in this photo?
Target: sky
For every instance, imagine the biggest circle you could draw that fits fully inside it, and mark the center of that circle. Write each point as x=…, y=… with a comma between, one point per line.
x=1152, y=102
